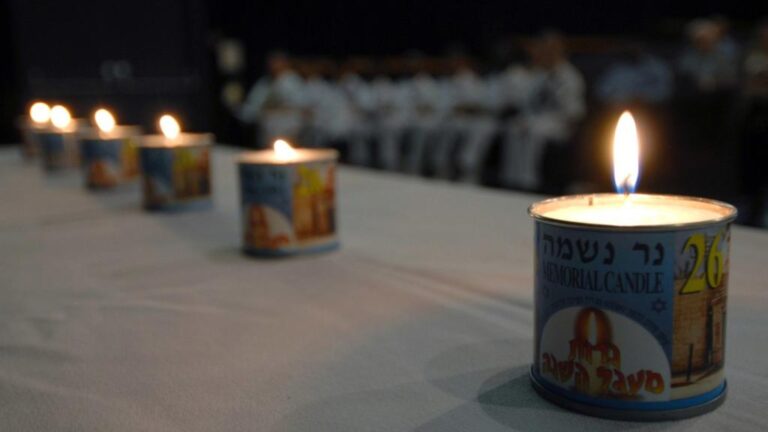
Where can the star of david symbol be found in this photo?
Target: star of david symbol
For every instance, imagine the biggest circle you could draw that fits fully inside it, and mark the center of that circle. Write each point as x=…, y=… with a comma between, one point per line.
x=659, y=305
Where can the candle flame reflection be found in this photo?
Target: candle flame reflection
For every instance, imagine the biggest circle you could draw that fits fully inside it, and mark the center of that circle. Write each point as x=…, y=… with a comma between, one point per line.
x=104, y=120
x=169, y=126
x=60, y=116
x=626, y=154
x=283, y=150
x=40, y=112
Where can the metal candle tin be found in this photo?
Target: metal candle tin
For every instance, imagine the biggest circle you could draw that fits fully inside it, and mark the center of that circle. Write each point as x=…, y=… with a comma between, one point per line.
x=176, y=174
x=59, y=148
x=30, y=147
x=110, y=159
x=288, y=207
x=630, y=320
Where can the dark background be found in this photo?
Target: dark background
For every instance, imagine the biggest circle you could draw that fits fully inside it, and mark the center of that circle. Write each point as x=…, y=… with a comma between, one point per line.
x=143, y=57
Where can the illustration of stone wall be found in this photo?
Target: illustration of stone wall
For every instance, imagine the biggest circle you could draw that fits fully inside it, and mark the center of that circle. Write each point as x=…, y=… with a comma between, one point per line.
x=699, y=323
x=690, y=339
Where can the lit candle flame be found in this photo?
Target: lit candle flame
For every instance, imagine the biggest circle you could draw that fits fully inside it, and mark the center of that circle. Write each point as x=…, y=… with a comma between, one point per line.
x=104, y=120
x=60, y=117
x=169, y=126
x=626, y=154
x=40, y=112
x=283, y=150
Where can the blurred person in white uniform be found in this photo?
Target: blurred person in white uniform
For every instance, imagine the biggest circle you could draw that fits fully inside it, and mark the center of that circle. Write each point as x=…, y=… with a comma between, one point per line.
x=548, y=95
x=328, y=119
x=391, y=100
x=277, y=103
x=706, y=63
x=641, y=77
x=470, y=124
x=359, y=115
x=428, y=107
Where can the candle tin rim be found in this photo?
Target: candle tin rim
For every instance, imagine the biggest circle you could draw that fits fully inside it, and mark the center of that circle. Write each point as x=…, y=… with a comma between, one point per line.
x=76, y=125
x=636, y=415
x=729, y=215
x=319, y=155
x=204, y=139
x=55, y=131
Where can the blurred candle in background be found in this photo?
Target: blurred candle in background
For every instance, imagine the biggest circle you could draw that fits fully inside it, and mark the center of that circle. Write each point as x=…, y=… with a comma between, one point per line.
x=175, y=167
x=289, y=200
x=29, y=126
x=109, y=152
x=58, y=143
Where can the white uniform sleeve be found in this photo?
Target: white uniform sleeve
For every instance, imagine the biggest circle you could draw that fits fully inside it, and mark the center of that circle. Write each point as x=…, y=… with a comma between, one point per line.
x=254, y=101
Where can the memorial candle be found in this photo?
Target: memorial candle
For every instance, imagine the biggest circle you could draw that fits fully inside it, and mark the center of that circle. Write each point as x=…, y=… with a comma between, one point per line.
x=630, y=294
x=175, y=167
x=109, y=152
x=30, y=126
x=288, y=200
x=58, y=144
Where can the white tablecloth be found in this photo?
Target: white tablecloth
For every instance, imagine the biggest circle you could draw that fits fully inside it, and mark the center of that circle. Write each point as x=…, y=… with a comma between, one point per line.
x=114, y=319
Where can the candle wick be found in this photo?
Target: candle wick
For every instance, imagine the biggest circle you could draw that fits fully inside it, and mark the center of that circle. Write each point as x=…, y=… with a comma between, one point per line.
x=625, y=186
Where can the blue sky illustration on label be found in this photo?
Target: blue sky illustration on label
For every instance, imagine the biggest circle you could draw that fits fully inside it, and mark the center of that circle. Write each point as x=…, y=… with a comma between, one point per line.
x=267, y=186
x=157, y=163
x=94, y=150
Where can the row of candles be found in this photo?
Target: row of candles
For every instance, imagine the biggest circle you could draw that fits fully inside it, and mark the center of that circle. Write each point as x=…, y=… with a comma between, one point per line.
x=288, y=195
x=619, y=263
x=175, y=168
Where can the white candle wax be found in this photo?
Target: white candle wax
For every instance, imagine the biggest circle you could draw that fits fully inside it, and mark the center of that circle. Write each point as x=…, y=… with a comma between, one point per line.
x=183, y=139
x=72, y=127
x=269, y=157
x=636, y=210
x=119, y=132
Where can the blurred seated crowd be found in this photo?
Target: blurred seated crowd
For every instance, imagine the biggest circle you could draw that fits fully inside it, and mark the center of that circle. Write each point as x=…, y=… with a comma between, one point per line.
x=541, y=123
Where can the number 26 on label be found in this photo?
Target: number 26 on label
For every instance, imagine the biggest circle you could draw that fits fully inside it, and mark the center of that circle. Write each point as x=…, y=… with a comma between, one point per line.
x=713, y=276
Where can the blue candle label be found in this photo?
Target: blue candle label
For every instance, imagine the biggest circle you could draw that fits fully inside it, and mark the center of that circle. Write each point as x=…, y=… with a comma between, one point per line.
x=58, y=150
x=30, y=147
x=174, y=175
x=110, y=162
x=626, y=318
x=288, y=207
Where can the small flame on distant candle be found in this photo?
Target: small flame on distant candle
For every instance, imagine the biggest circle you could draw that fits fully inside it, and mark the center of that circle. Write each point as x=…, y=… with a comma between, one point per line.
x=40, y=112
x=169, y=126
x=60, y=117
x=104, y=120
x=283, y=150
x=626, y=155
